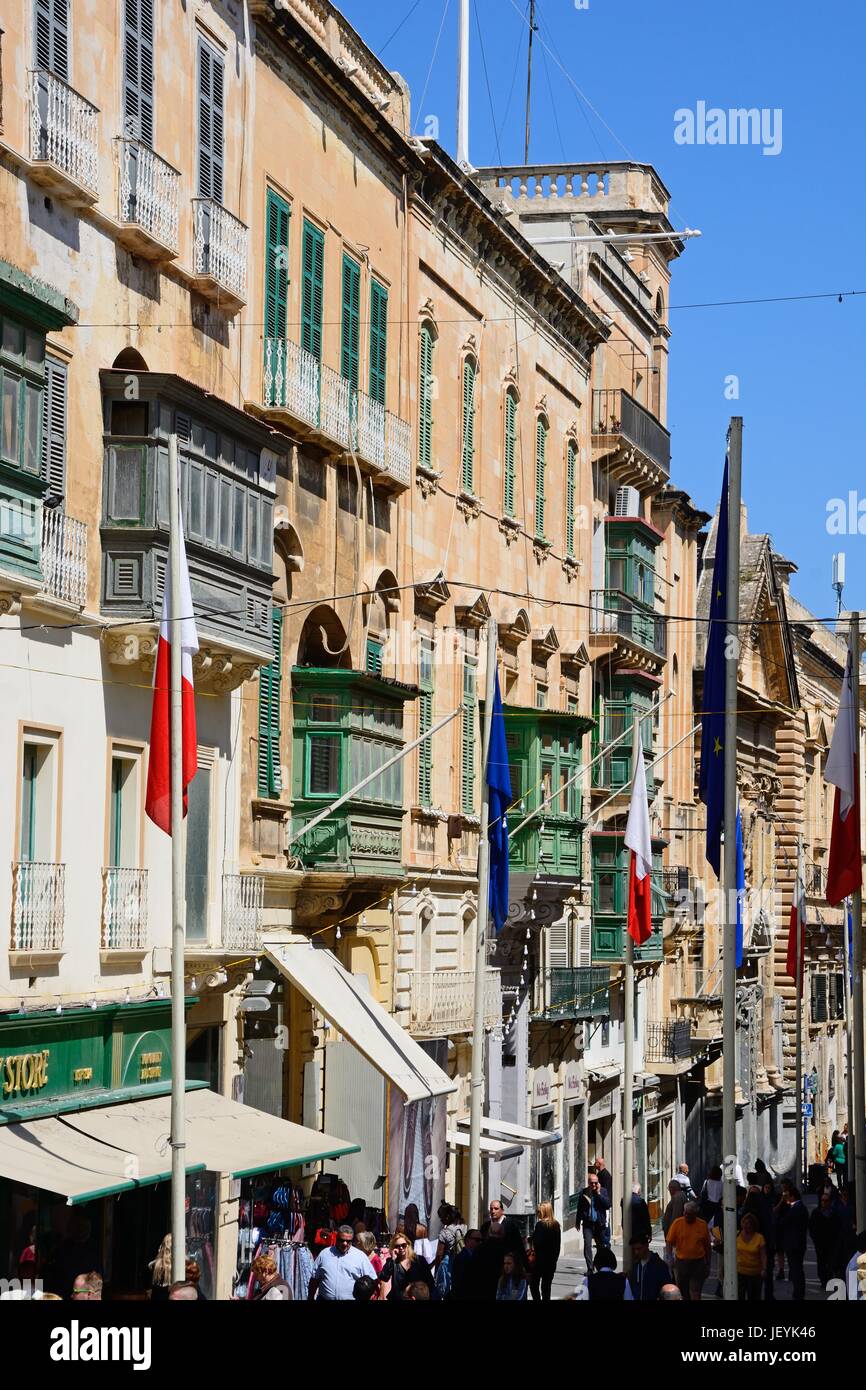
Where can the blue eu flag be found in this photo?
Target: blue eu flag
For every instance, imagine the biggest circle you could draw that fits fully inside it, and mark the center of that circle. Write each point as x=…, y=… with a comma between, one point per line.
x=741, y=886
x=498, y=800
x=712, y=785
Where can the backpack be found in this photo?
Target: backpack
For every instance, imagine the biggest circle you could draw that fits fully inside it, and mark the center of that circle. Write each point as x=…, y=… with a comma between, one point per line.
x=459, y=1239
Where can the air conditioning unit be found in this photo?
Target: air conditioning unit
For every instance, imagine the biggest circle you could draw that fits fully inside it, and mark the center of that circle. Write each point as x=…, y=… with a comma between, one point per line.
x=627, y=502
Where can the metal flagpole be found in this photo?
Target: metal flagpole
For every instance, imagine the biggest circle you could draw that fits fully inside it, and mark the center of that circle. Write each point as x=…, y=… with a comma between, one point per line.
x=476, y=1084
x=729, y=953
x=628, y=1013
x=463, y=85
x=849, y=1050
x=178, y=886
x=858, y=1121
x=798, y=1002
x=529, y=81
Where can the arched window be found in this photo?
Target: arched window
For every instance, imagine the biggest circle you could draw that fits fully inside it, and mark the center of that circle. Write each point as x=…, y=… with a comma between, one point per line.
x=509, y=451
x=541, y=432
x=660, y=307
x=570, y=496
x=425, y=396
x=467, y=450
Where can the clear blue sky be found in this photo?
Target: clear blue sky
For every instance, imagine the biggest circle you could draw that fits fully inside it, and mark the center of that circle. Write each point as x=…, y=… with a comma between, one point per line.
x=793, y=223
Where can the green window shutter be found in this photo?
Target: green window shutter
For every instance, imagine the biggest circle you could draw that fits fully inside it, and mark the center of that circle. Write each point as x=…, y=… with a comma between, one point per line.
x=351, y=333
x=570, y=486
x=540, y=461
x=138, y=70
x=510, y=451
x=54, y=427
x=373, y=657
x=467, y=762
x=270, y=782
x=211, y=116
x=277, y=217
x=425, y=398
x=313, y=269
x=378, y=341
x=468, y=451
x=52, y=37
x=425, y=752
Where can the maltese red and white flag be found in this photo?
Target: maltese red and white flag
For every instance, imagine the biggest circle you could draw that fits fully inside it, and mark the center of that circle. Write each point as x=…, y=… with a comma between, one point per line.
x=637, y=838
x=844, y=867
x=158, y=799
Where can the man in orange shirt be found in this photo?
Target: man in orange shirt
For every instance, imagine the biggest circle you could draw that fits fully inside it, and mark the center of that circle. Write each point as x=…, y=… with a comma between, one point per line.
x=688, y=1239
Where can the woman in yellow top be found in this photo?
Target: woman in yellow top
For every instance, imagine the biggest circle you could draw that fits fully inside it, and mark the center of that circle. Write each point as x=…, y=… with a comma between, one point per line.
x=751, y=1260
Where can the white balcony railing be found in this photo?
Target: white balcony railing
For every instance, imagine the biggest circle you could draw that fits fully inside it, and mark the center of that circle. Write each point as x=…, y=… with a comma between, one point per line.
x=369, y=429
x=64, y=557
x=442, y=1001
x=220, y=244
x=243, y=900
x=149, y=191
x=37, y=906
x=124, y=909
x=398, y=449
x=291, y=380
x=64, y=130
x=335, y=413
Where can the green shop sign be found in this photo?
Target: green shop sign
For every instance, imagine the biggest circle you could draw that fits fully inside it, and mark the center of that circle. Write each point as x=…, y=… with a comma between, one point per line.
x=56, y=1062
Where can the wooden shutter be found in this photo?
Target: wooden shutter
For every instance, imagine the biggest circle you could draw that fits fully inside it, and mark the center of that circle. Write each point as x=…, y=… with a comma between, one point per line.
x=373, y=658
x=469, y=373
x=52, y=37
x=584, y=940
x=270, y=782
x=558, y=953
x=540, y=461
x=351, y=330
x=211, y=115
x=378, y=341
x=138, y=79
x=425, y=722
x=313, y=266
x=277, y=216
x=510, y=448
x=467, y=761
x=570, y=484
x=425, y=398
x=54, y=427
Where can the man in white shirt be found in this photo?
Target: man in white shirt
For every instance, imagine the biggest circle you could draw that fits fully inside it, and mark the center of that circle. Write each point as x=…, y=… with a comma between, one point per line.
x=337, y=1267
x=682, y=1177
x=853, y=1289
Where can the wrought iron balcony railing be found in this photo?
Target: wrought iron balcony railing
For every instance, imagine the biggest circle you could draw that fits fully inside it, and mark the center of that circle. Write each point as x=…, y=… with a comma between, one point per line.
x=64, y=557
x=220, y=248
x=612, y=611
x=64, y=132
x=37, y=906
x=670, y=1041
x=442, y=1001
x=243, y=901
x=573, y=992
x=148, y=194
x=124, y=909
x=615, y=412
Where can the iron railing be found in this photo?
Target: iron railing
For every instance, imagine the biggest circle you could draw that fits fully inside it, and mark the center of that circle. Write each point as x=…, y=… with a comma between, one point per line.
x=64, y=557
x=581, y=991
x=612, y=611
x=615, y=412
x=220, y=246
x=243, y=901
x=668, y=1042
x=64, y=129
x=124, y=909
x=442, y=1001
x=37, y=906
x=148, y=192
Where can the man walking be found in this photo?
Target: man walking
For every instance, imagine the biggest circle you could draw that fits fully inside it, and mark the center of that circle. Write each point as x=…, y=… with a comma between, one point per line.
x=592, y=1208
x=792, y=1227
x=688, y=1240
x=682, y=1177
x=337, y=1268
x=649, y=1273
x=605, y=1178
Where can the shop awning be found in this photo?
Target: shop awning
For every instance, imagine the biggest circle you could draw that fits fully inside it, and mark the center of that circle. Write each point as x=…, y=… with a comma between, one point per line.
x=508, y=1130
x=117, y=1148
x=604, y=1074
x=350, y=1008
x=221, y=1135
x=495, y=1148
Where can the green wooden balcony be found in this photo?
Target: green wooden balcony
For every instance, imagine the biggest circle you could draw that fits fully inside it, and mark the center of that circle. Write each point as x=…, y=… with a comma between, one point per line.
x=346, y=725
x=544, y=756
x=610, y=902
x=572, y=992
x=613, y=770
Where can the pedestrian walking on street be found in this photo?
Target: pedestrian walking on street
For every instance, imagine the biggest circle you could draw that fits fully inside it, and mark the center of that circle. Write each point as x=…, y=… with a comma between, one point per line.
x=452, y=1234
x=602, y=1284
x=160, y=1269
x=404, y=1268
x=792, y=1225
x=649, y=1273
x=751, y=1260
x=424, y=1246
x=546, y=1244
x=641, y=1222
x=505, y=1227
x=675, y=1206
x=337, y=1267
x=682, y=1177
x=825, y=1228
x=512, y=1286
x=688, y=1241
x=592, y=1207
x=670, y=1294
x=467, y=1269
x=605, y=1178
x=271, y=1287
x=710, y=1200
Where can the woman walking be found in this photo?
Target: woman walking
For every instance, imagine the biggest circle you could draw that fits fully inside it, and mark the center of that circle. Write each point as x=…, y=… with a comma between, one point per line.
x=751, y=1260
x=546, y=1243
x=404, y=1268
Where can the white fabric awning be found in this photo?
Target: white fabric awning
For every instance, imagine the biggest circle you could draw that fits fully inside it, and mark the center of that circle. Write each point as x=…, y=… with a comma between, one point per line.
x=606, y=1072
x=508, y=1130
x=338, y=995
x=494, y=1148
x=116, y=1148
